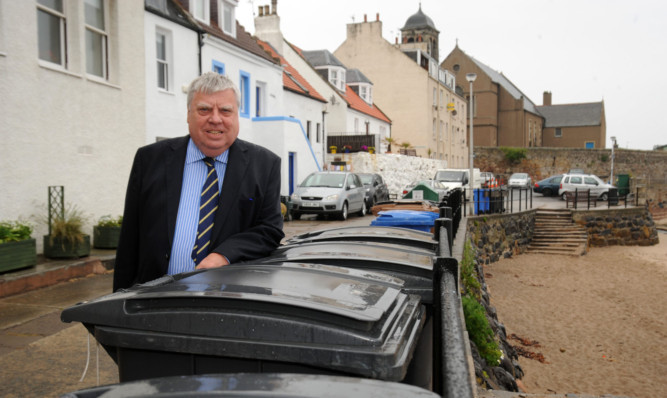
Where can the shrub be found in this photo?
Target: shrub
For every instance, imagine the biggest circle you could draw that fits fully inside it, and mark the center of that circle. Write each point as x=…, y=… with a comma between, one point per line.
x=514, y=155
x=471, y=285
x=14, y=231
x=69, y=227
x=479, y=330
x=108, y=221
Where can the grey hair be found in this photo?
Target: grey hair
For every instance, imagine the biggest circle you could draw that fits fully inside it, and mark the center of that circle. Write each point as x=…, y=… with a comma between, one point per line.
x=212, y=82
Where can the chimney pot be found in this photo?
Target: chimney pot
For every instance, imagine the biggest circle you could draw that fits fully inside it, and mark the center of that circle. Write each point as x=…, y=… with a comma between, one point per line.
x=266, y=11
x=274, y=6
x=365, y=18
x=261, y=11
x=377, y=16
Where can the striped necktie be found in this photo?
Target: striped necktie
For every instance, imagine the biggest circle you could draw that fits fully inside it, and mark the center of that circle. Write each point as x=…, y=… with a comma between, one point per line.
x=208, y=206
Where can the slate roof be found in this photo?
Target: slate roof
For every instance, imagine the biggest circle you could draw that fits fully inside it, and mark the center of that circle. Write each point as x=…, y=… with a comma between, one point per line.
x=514, y=91
x=572, y=115
x=419, y=20
x=292, y=79
x=321, y=58
x=171, y=10
x=355, y=76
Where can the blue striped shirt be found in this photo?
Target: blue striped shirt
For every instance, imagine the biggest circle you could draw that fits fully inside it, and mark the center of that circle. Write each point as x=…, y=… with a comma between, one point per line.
x=194, y=177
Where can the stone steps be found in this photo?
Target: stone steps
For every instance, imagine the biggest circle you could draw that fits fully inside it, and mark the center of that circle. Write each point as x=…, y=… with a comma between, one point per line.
x=555, y=233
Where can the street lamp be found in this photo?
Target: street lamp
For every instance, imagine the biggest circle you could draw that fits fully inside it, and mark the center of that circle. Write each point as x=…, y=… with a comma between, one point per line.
x=471, y=78
x=613, y=144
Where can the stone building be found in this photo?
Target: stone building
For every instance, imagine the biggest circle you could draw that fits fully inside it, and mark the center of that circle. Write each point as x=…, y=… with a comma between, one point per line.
x=408, y=85
x=573, y=125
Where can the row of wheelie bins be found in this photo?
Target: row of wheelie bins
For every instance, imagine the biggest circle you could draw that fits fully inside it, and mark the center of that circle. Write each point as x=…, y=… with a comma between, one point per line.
x=328, y=309
x=489, y=200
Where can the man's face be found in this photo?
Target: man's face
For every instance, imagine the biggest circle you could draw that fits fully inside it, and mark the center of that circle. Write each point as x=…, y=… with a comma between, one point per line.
x=213, y=121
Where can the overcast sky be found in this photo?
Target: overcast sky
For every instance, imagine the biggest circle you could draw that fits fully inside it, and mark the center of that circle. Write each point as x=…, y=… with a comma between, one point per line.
x=580, y=50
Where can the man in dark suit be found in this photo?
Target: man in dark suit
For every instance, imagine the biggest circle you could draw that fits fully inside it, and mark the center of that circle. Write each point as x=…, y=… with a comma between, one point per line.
x=161, y=231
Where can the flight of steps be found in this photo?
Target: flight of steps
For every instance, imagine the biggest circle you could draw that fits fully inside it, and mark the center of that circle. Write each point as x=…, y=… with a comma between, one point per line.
x=555, y=233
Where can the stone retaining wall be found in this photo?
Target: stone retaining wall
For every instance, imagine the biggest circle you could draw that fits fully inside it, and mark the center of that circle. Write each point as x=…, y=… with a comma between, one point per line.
x=618, y=227
x=500, y=235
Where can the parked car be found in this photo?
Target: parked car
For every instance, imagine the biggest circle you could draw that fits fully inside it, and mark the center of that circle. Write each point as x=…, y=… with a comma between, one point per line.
x=549, y=186
x=435, y=185
x=376, y=189
x=329, y=193
x=584, y=182
x=519, y=180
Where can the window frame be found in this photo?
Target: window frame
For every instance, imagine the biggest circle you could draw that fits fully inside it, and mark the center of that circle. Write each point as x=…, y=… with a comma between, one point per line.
x=62, y=18
x=245, y=91
x=166, y=63
x=104, y=35
x=218, y=67
x=223, y=7
x=206, y=11
x=558, y=132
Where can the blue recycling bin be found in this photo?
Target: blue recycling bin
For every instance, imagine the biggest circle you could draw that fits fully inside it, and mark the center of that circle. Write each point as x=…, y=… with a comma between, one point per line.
x=412, y=219
x=481, y=200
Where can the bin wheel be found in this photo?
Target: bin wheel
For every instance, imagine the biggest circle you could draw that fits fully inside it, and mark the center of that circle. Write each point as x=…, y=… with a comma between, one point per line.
x=362, y=212
x=343, y=213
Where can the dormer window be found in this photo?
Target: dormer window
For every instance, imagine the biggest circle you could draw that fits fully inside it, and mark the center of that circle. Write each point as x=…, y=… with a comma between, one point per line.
x=200, y=10
x=228, y=16
x=337, y=77
x=365, y=91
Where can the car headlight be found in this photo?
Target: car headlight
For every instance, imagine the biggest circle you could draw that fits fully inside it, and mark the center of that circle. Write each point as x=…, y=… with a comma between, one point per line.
x=331, y=198
x=295, y=196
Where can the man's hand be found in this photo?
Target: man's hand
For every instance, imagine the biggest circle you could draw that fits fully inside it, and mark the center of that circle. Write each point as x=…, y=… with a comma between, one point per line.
x=213, y=260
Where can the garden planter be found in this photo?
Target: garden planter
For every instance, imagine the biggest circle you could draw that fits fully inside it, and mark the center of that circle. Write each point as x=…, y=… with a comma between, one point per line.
x=21, y=254
x=59, y=248
x=105, y=237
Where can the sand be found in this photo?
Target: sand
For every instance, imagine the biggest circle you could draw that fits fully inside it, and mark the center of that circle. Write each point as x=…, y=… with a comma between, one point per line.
x=598, y=319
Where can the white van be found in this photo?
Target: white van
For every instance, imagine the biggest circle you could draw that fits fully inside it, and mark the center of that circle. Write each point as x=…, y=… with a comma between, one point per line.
x=459, y=178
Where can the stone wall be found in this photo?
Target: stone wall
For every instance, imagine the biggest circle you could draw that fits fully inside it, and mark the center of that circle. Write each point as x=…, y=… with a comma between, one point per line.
x=647, y=169
x=618, y=227
x=500, y=235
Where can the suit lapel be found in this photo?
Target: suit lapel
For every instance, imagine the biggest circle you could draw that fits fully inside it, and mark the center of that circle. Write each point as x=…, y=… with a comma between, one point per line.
x=174, y=166
x=237, y=165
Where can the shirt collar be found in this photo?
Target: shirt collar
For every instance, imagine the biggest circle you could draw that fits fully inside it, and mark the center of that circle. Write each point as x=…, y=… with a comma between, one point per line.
x=193, y=154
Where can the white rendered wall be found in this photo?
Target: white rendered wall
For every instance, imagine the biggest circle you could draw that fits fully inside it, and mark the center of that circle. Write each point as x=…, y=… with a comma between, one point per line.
x=166, y=111
x=63, y=127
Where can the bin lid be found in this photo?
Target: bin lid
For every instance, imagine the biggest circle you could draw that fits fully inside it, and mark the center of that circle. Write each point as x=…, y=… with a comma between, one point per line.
x=401, y=236
x=257, y=385
x=314, y=314
x=412, y=265
x=405, y=217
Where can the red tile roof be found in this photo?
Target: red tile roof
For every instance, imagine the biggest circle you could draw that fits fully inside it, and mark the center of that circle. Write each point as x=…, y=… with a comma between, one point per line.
x=357, y=103
x=292, y=79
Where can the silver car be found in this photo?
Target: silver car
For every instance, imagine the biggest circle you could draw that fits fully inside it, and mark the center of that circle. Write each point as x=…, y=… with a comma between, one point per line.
x=520, y=180
x=329, y=193
x=584, y=182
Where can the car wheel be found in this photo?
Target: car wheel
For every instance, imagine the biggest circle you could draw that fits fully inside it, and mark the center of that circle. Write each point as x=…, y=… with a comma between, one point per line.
x=343, y=213
x=295, y=215
x=547, y=192
x=371, y=203
x=604, y=196
x=564, y=196
x=362, y=212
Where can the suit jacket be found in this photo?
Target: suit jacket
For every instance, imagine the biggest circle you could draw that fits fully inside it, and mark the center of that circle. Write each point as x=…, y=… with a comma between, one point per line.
x=247, y=225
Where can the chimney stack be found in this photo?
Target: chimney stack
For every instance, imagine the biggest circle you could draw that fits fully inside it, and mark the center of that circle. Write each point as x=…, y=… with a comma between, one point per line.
x=546, y=98
x=274, y=7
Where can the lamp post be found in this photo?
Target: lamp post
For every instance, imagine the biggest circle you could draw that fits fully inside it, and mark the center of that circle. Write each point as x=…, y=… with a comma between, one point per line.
x=613, y=144
x=471, y=78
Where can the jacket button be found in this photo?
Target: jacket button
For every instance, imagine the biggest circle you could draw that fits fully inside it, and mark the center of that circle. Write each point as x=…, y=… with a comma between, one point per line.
x=166, y=255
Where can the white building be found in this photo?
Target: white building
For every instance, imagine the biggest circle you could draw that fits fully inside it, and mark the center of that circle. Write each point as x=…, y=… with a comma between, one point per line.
x=72, y=89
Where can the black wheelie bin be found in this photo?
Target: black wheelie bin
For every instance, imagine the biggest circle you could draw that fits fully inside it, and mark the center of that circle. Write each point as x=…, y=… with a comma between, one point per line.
x=258, y=318
x=402, y=236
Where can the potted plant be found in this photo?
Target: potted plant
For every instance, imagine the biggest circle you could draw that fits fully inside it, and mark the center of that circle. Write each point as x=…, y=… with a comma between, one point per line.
x=333, y=148
x=371, y=149
x=17, y=248
x=67, y=239
x=364, y=148
x=107, y=232
x=347, y=148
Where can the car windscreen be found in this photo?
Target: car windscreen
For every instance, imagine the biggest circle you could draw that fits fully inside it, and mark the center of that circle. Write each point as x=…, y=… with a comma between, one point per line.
x=366, y=179
x=449, y=176
x=324, y=180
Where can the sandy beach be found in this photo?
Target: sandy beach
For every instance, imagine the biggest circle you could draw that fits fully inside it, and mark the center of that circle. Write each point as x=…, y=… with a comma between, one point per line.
x=598, y=320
